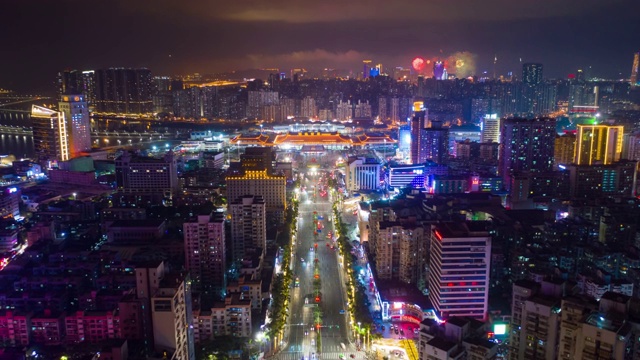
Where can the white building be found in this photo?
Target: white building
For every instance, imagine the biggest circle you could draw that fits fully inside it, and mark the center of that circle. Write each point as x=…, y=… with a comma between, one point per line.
x=363, y=174
x=460, y=268
x=248, y=224
x=172, y=318
x=490, y=131
x=204, y=246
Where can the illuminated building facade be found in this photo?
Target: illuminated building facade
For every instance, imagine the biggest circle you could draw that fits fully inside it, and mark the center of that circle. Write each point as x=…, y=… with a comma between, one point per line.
x=363, y=174
x=490, y=132
x=272, y=188
x=459, y=269
x=526, y=145
x=9, y=202
x=531, y=73
x=127, y=91
x=635, y=68
x=418, y=123
x=50, y=137
x=205, y=255
x=401, y=252
x=248, y=225
x=434, y=143
x=438, y=70
x=75, y=110
x=589, y=181
x=564, y=150
x=598, y=144
x=78, y=82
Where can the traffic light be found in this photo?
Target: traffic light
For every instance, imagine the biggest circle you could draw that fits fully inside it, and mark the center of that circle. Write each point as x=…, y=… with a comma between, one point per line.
x=317, y=299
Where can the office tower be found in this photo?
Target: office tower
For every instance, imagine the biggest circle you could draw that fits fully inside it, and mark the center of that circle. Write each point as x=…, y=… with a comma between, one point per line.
x=490, y=131
x=366, y=68
x=308, y=108
x=526, y=145
x=564, y=150
x=204, y=245
x=172, y=317
x=635, y=79
x=598, y=144
x=434, y=143
x=531, y=74
x=362, y=174
x=459, y=269
x=257, y=158
x=138, y=174
x=50, y=137
x=122, y=90
x=248, y=226
x=75, y=110
x=272, y=188
x=438, y=70
x=418, y=123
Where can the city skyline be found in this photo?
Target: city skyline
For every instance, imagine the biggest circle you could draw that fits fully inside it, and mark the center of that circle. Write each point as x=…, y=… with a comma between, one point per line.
x=220, y=37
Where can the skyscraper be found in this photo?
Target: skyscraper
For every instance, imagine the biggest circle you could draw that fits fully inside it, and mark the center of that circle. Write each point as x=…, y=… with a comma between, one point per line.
x=598, y=144
x=434, y=143
x=50, y=137
x=122, y=90
x=204, y=245
x=635, y=79
x=438, y=70
x=418, y=123
x=490, y=132
x=72, y=82
x=272, y=188
x=527, y=145
x=459, y=276
x=531, y=73
x=248, y=225
x=75, y=110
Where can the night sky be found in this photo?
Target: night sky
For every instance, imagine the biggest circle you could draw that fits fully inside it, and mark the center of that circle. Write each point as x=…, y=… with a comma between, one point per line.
x=41, y=37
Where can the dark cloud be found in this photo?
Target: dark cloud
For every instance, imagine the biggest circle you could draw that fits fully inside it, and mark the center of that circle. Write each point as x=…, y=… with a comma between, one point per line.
x=170, y=37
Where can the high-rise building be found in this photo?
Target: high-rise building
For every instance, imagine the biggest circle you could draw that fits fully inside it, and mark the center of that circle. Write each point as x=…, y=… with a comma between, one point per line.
x=490, y=132
x=260, y=182
x=434, y=143
x=526, y=145
x=76, y=111
x=635, y=68
x=459, y=269
x=204, y=245
x=564, y=151
x=401, y=252
x=598, y=144
x=418, y=123
x=308, y=108
x=438, y=70
x=78, y=82
x=531, y=73
x=362, y=174
x=362, y=109
x=138, y=174
x=259, y=99
x=394, y=110
x=120, y=90
x=344, y=110
x=172, y=317
x=50, y=136
x=619, y=178
x=248, y=225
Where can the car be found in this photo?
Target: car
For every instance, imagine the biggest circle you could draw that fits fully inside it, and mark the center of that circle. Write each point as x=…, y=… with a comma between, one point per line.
x=310, y=249
x=395, y=331
x=302, y=259
x=342, y=312
x=416, y=331
x=352, y=356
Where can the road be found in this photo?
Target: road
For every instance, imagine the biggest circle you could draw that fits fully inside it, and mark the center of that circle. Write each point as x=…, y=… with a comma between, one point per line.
x=334, y=330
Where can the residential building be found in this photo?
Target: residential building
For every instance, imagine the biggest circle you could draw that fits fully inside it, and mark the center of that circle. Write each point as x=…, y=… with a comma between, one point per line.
x=594, y=180
x=598, y=144
x=248, y=225
x=248, y=288
x=564, y=150
x=128, y=91
x=9, y=202
x=146, y=175
x=204, y=242
x=272, y=188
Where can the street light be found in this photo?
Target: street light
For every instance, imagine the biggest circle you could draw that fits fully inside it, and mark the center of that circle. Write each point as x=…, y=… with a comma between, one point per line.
x=75, y=196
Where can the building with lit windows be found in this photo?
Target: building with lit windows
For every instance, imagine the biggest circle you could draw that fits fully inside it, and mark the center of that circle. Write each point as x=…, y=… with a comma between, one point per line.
x=400, y=252
x=531, y=73
x=120, y=90
x=635, y=68
x=434, y=143
x=564, y=151
x=490, y=132
x=205, y=255
x=9, y=202
x=272, y=188
x=76, y=111
x=459, y=269
x=526, y=145
x=248, y=225
x=138, y=174
x=596, y=180
x=598, y=144
x=418, y=123
x=50, y=136
x=362, y=174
